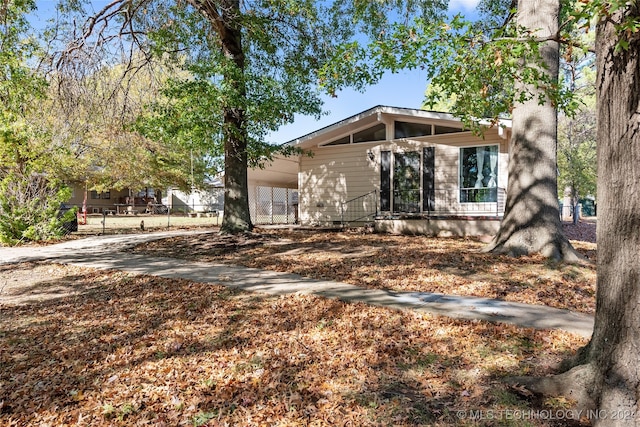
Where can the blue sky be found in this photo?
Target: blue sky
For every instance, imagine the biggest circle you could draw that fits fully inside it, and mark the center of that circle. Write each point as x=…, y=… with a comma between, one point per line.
x=404, y=89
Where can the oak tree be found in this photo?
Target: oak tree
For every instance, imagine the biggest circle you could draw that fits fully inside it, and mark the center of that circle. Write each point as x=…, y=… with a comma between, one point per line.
x=251, y=66
x=531, y=221
x=616, y=337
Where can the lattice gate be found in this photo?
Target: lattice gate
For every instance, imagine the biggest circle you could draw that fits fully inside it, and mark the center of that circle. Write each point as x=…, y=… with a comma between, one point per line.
x=273, y=205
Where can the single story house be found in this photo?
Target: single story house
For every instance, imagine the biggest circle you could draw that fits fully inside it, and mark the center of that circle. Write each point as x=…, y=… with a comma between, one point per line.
x=406, y=170
x=98, y=202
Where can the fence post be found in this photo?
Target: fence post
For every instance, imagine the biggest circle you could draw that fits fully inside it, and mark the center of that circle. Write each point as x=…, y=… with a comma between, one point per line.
x=168, y=217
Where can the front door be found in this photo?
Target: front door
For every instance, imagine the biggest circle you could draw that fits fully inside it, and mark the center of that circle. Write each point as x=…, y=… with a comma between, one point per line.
x=406, y=182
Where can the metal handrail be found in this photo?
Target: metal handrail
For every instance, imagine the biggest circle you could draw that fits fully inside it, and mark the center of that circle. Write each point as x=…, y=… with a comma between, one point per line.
x=450, y=201
x=365, y=214
x=453, y=201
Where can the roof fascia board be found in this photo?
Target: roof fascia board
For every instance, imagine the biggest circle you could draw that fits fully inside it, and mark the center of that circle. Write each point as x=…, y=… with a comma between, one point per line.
x=397, y=112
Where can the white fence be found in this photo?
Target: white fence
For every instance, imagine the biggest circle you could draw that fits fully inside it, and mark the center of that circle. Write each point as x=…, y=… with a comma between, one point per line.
x=273, y=205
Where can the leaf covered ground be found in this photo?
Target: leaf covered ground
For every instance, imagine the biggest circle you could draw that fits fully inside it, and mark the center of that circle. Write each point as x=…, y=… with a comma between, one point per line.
x=402, y=263
x=85, y=347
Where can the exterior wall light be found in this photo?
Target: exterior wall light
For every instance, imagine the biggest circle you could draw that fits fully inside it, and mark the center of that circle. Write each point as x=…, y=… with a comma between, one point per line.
x=370, y=155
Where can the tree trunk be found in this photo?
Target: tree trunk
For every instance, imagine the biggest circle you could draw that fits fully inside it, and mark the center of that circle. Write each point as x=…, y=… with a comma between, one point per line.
x=531, y=220
x=237, y=218
x=615, y=345
x=611, y=360
x=225, y=19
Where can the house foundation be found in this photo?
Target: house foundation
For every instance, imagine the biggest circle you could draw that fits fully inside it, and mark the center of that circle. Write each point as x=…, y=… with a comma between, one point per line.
x=440, y=226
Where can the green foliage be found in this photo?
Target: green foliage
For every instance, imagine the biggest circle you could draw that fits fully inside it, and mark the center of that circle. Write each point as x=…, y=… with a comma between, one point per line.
x=577, y=154
x=585, y=12
x=284, y=42
x=18, y=84
x=474, y=68
x=30, y=196
x=29, y=208
x=577, y=133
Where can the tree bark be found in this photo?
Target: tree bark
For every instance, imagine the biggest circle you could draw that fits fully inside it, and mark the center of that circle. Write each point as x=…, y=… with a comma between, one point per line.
x=224, y=16
x=531, y=220
x=615, y=344
x=611, y=360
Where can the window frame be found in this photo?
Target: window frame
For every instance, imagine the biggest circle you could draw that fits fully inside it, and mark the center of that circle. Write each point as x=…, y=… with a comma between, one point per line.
x=398, y=124
x=493, y=196
x=351, y=137
x=425, y=177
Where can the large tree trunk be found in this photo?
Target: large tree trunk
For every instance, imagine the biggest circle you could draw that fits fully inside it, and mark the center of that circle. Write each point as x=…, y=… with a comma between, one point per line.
x=610, y=364
x=237, y=218
x=531, y=221
x=225, y=19
x=615, y=345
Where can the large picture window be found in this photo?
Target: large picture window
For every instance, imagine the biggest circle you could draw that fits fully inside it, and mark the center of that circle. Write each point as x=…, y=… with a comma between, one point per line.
x=479, y=174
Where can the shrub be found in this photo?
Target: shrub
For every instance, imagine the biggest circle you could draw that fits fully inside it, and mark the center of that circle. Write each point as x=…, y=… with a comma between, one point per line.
x=30, y=208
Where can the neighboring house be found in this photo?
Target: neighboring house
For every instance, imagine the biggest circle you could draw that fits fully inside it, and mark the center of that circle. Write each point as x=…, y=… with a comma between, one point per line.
x=406, y=170
x=113, y=201
x=208, y=199
x=96, y=202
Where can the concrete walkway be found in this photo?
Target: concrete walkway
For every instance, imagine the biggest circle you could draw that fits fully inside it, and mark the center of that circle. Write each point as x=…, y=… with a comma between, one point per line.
x=106, y=252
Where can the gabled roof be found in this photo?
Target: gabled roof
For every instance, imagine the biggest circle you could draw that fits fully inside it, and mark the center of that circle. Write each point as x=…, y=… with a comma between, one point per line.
x=372, y=115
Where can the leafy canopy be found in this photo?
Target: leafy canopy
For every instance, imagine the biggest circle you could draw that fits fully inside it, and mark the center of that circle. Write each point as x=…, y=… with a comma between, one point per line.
x=284, y=42
x=30, y=193
x=475, y=67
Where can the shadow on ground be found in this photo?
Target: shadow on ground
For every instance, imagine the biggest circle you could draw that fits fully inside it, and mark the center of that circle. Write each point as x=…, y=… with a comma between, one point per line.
x=125, y=349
